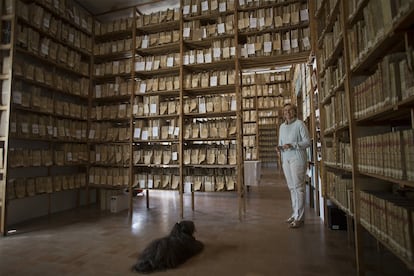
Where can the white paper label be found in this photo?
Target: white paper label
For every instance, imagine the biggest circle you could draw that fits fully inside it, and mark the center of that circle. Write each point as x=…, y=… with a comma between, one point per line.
x=186, y=59
x=176, y=131
x=306, y=42
x=286, y=44
x=155, y=132
x=186, y=32
x=170, y=130
x=232, y=51
x=144, y=43
x=194, y=9
x=213, y=81
x=153, y=108
x=143, y=87
x=295, y=43
x=148, y=66
x=261, y=21
x=170, y=62
x=69, y=156
x=251, y=49
x=221, y=28
x=145, y=135
x=304, y=15
x=267, y=47
x=216, y=52
x=137, y=133
x=207, y=58
x=204, y=6
x=252, y=22
x=150, y=183
x=222, y=7
x=140, y=66
x=200, y=58
x=202, y=108
x=174, y=156
x=233, y=106
x=192, y=59
x=97, y=157
x=186, y=9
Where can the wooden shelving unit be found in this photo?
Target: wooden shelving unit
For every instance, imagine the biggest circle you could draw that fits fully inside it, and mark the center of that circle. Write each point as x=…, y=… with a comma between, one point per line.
x=130, y=102
x=364, y=54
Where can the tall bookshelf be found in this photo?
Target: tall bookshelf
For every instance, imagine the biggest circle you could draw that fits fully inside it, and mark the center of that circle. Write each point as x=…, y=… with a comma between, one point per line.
x=364, y=58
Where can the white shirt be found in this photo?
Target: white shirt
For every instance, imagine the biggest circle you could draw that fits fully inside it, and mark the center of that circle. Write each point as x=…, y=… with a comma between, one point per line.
x=297, y=135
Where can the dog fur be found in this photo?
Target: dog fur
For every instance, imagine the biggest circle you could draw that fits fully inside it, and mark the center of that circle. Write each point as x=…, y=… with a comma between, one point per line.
x=170, y=251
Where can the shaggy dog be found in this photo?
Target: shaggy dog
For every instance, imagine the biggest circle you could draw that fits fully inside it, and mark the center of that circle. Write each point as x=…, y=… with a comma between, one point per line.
x=170, y=251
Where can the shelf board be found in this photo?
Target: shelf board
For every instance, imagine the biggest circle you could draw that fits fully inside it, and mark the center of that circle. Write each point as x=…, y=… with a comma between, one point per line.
x=388, y=114
x=172, y=93
x=408, y=263
x=215, y=65
x=4, y=76
x=113, y=56
x=159, y=72
x=168, y=48
x=105, y=186
x=155, y=141
x=50, y=87
x=112, y=99
x=5, y=46
x=218, y=139
x=337, y=168
x=385, y=43
x=221, y=89
x=44, y=112
x=212, y=16
x=161, y=166
x=343, y=208
x=7, y=17
x=118, y=35
x=51, y=140
x=157, y=116
x=245, y=34
x=111, y=77
x=115, y=120
x=119, y=143
x=4, y=107
x=401, y=182
x=211, y=166
x=211, y=114
x=206, y=42
x=270, y=61
x=61, y=66
x=272, y=5
x=159, y=27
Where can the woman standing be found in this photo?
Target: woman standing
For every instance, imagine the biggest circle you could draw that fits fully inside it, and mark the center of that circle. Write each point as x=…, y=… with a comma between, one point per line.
x=293, y=141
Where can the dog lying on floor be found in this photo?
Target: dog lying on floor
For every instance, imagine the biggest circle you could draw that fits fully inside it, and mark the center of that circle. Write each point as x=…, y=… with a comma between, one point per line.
x=170, y=251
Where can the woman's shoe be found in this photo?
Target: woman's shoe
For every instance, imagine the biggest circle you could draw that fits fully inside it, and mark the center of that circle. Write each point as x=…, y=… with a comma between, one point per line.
x=290, y=220
x=296, y=224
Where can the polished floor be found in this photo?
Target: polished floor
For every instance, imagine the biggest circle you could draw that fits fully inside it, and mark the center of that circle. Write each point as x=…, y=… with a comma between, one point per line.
x=89, y=242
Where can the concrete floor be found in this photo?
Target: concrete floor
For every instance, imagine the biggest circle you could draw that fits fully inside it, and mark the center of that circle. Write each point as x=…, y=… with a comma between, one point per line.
x=90, y=242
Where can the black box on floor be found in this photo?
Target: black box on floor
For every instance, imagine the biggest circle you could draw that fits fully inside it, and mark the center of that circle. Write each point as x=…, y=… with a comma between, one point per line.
x=336, y=218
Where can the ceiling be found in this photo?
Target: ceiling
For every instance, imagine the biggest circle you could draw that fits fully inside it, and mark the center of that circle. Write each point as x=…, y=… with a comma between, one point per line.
x=144, y=6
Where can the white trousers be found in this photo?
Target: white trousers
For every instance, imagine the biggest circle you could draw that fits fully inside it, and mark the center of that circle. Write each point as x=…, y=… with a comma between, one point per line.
x=295, y=171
